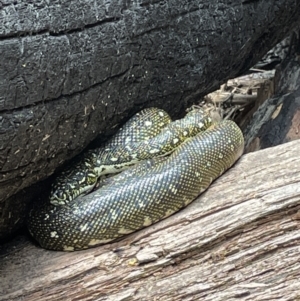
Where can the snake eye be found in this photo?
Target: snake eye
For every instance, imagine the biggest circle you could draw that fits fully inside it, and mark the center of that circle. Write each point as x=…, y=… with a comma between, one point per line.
x=91, y=180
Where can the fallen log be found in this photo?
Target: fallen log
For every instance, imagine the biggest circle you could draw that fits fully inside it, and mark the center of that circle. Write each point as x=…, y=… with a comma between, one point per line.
x=77, y=70
x=240, y=239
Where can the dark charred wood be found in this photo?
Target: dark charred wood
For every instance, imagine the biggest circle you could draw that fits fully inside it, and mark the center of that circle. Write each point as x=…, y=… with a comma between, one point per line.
x=71, y=72
x=278, y=119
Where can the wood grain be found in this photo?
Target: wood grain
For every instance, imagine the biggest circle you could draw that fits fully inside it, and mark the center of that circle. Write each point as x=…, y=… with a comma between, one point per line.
x=240, y=240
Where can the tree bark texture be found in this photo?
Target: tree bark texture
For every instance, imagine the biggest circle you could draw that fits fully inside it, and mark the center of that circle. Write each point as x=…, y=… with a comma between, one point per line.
x=240, y=240
x=71, y=70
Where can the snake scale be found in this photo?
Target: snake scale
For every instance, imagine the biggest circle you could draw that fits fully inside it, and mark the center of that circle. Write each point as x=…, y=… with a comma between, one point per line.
x=143, y=194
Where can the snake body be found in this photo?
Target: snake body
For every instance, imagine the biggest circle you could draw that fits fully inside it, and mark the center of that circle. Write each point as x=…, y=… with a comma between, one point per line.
x=156, y=136
x=81, y=177
x=145, y=194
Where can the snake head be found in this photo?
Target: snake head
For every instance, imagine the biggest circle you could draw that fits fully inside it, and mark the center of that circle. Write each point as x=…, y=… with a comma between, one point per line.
x=67, y=188
x=79, y=179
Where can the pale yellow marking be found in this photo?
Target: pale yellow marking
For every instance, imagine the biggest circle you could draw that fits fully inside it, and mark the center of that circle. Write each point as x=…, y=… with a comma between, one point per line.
x=154, y=151
x=46, y=217
x=83, y=228
x=161, y=114
x=169, y=212
x=68, y=248
x=113, y=159
x=173, y=189
x=94, y=242
x=186, y=200
x=201, y=124
x=221, y=155
x=175, y=140
x=148, y=123
x=147, y=221
x=185, y=133
x=54, y=234
x=141, y=204
x=125, y=231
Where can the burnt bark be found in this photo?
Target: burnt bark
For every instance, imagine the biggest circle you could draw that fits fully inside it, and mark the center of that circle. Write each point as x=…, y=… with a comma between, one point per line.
x=238, y=240
x=70, y=72
x=277, y=120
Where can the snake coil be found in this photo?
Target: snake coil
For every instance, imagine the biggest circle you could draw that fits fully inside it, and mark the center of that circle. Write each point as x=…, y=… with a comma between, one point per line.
x=147, y=192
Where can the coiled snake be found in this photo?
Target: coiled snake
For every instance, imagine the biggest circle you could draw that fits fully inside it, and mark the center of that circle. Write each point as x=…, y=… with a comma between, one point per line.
x=143, y=194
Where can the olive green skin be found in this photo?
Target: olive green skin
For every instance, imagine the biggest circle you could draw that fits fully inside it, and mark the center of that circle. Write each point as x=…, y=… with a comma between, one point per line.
x=82, y=175
x=146, y=194
x=157, y=136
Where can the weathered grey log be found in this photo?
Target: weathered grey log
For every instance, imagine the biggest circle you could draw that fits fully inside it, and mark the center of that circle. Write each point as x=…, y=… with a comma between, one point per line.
x=239, y=240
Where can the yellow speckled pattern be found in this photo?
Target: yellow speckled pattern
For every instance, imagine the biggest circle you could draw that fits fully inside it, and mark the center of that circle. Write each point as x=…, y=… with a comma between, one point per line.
x=81, y=177
x=146, y=194
x=148, y=134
